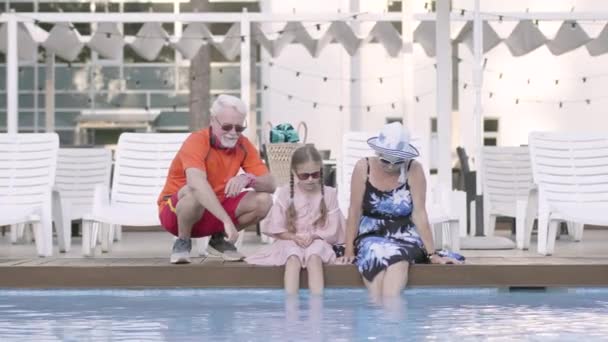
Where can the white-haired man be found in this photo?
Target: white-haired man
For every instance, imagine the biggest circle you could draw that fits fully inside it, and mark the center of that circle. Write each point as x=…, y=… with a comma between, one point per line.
x=204, y=196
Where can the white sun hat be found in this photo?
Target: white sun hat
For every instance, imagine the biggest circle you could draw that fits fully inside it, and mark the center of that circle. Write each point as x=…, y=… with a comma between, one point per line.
x=394, y=142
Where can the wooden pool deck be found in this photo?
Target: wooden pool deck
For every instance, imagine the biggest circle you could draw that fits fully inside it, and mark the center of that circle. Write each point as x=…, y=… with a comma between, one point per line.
x=141, y=260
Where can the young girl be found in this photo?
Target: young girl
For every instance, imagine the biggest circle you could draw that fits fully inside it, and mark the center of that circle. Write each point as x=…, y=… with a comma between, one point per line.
x=306, y=221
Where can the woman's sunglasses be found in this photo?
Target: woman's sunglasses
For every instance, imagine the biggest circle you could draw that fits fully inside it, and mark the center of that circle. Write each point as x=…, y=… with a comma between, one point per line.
x=229, y=127
x=390, y=162
x=304, y=176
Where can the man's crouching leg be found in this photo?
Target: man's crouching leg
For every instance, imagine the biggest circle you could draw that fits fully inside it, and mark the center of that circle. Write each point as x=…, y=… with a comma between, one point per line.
x=252, y=208
x=188, y=211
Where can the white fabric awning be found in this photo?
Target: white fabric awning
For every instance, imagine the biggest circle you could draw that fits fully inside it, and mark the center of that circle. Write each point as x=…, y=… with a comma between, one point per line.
x=107, y=40
x=65, y=41
x=27, y=45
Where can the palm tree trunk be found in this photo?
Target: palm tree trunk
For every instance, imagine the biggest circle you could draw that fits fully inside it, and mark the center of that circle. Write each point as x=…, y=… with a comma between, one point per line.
x=200, y=79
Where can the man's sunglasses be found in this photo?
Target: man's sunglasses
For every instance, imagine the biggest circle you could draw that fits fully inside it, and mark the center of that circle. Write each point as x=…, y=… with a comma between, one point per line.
x=390, y=162
x=229, y=127
x=304, y=176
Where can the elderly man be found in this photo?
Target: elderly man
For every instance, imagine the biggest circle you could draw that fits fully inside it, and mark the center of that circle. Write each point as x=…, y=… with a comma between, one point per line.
x=204, y=196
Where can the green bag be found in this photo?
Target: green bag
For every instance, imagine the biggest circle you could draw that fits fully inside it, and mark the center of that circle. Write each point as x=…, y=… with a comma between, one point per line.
x=284, y=133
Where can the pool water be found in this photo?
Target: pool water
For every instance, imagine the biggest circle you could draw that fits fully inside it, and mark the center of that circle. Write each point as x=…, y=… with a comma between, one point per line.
x=267, y=315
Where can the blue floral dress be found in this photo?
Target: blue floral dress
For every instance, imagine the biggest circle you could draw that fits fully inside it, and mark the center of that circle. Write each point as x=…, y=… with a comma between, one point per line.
x=387, y=234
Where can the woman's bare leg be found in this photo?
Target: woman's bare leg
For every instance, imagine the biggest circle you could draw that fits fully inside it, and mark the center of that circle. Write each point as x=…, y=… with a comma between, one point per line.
x=395, y=279
x=375, y=286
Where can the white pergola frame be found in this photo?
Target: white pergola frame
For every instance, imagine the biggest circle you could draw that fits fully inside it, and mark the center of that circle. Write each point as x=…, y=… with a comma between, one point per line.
x=443, y=97
x=244, y=18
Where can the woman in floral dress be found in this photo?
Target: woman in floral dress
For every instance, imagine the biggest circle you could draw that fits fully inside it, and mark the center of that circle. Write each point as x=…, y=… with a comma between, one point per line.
x=387, y=226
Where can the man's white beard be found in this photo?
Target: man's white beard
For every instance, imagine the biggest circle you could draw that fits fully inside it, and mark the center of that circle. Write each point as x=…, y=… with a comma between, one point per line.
x=228, y=143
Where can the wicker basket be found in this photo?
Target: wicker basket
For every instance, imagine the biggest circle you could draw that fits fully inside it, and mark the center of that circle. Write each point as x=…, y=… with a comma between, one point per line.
x=278, y=155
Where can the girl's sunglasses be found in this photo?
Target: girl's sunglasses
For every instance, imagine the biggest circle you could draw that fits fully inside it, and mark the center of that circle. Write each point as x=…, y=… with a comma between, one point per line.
x=390, y=162
x=304, y=176
x=229, y=127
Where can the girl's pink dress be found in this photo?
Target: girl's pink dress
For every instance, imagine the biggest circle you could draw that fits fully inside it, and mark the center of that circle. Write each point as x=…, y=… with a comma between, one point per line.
x=307, y=212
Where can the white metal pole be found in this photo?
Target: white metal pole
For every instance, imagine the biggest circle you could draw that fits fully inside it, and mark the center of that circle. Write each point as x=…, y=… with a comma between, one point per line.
x=407, y=36
x=478, y=114
x=355, y=88
x=49, y=96
x=121, y=68
x=12, y=76
x=36, y=89
x=178, y=56
x=92, y=64
x=36, y=92
x=477, y=84
x=444, y=94
x=246, y=76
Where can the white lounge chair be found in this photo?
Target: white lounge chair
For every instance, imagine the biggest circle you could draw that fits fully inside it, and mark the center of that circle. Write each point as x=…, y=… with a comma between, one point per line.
x=507, y=176
x=571, y=172
x=447, y=212
x=140, y=170
x=79, y=170
x=27, y=173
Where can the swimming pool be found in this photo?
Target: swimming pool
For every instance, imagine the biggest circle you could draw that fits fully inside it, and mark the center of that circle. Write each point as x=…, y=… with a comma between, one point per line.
x=266, y=315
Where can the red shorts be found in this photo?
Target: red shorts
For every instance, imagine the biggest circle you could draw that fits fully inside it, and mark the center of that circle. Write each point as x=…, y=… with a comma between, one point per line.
x=207, y=225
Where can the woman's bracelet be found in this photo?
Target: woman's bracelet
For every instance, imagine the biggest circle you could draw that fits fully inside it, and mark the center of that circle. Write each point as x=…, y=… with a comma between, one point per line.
x=429, y=255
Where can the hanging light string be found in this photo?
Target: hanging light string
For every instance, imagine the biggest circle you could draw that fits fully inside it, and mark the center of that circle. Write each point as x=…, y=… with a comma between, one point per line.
x=501, y=17
x=326, y=77
x=311, y=103
x=314, y=104
x=529, y=79
x=516, y=100
x=490, y=94
x=266, y=88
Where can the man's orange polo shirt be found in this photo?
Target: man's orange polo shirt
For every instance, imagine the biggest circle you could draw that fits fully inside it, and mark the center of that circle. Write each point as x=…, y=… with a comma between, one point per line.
x=219, y=164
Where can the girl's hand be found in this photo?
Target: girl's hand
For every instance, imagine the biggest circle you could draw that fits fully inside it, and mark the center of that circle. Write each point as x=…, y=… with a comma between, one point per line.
x=304, y=240
x=301, y=241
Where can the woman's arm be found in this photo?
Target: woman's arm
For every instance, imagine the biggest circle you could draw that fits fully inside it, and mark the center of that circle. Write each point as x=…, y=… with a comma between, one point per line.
x=417, y=183
x=357, y=190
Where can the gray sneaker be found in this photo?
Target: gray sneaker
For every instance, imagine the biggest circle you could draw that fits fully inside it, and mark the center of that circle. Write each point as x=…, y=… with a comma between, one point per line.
x=219, y=247
x=181, y=251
